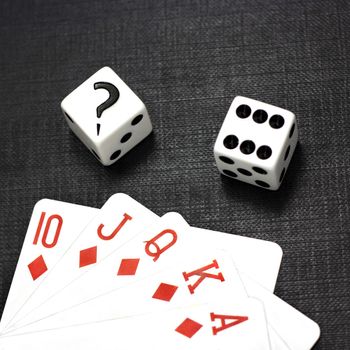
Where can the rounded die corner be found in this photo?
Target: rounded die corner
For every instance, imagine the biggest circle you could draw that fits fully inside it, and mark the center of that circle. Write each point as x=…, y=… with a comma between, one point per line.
x=63, y=103
x=242, y=98
x=106, y=69
x=218, y=146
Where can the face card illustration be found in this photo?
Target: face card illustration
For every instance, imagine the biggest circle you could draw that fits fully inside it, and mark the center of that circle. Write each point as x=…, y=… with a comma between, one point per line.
x=117, y=222
x=206, y=326
x=53, y=226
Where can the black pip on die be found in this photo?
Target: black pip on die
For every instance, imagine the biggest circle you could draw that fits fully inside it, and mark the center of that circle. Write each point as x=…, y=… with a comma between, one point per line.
x=256, y=143
x=107, y=116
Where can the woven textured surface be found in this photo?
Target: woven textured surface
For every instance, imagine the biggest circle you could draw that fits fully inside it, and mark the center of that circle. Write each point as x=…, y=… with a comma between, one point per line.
x=187, y=60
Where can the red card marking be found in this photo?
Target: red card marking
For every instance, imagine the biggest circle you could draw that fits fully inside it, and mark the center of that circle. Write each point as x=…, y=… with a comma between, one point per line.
x=189, y=328
x=128, y=267
x=203, y=274
x=165, y=292
x=88, y=256
x=235, y=320
x=37, y=267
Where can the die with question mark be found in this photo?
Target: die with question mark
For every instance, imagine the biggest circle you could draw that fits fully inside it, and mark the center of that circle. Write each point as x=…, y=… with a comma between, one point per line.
x=107, y=116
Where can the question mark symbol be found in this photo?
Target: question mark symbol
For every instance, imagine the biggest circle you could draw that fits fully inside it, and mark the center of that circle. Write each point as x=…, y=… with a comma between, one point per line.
x=112, y=99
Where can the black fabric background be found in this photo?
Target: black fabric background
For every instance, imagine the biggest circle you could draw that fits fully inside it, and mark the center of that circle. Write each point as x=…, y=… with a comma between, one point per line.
x=187, y=60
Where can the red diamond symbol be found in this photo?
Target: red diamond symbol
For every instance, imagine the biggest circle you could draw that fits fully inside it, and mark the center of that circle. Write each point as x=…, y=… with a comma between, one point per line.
x=88, y=256
x=37, y=267
x=128, y=267
x=188, y=328
x=165, y=292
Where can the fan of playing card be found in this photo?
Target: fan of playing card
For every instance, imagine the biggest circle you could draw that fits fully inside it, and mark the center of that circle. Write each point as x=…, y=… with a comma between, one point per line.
x=123, y=278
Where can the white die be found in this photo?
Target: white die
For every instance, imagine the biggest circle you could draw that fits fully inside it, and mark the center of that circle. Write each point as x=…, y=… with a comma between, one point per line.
x=256, y=142
x=121, y=125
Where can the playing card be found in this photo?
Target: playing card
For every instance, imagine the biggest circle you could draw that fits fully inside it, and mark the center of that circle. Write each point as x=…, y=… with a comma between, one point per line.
x=116, y=223
x=213, y=325
x=52, y=227
x=144, y=255
x=288, y=328
x=104, y=274
x=276, y=342
x=229, y=326
x=209, y=275
x=169, y=288
x=261, y=260
x=297, y=331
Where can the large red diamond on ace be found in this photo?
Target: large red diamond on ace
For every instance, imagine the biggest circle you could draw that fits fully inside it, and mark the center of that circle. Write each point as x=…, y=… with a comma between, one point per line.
x=188, y=328
x=37, y=267
x=128, y=267
x=88, y=256
x=165, y=292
